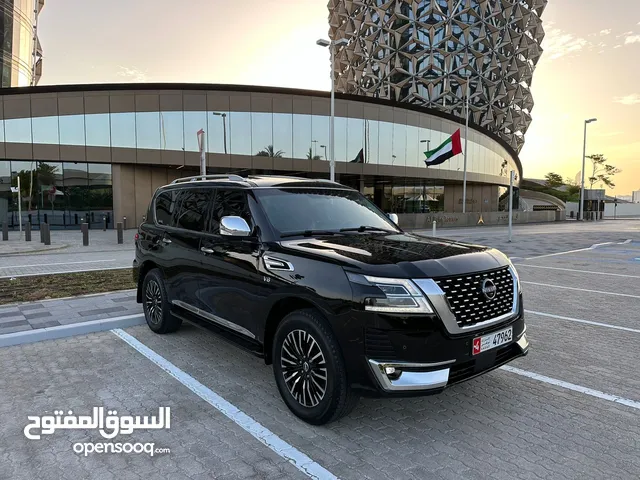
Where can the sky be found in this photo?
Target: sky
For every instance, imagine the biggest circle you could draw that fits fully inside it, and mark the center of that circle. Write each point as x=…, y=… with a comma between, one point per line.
x=590, y=67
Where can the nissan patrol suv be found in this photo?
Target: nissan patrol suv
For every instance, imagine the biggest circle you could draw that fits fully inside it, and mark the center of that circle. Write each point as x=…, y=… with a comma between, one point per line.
x=312, y=277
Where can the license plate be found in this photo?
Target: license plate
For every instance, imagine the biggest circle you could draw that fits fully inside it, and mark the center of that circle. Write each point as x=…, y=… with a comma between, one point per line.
x=493, y=340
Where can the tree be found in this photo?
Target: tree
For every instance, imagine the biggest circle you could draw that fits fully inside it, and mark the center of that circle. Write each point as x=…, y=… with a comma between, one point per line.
x=553, y=180
x=44, y=175
x=602, y=171
x=311, y=156
x=268, y=151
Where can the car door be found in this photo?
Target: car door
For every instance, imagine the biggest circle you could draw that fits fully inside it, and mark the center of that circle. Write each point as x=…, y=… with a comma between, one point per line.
x=232, y=289
x=184, y=236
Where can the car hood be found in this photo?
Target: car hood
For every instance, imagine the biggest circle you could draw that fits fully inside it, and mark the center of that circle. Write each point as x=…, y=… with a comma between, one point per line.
x=401, y=255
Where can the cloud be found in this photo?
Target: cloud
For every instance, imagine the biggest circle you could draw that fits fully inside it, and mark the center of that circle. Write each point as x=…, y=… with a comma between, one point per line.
x=132, y=73
x=558, y=43
x=632, y=99
x=605, y=32
x=632, y=39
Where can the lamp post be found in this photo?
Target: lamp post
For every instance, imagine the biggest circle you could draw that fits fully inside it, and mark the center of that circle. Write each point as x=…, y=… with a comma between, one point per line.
x=332, y=47
x=428, y=142
x=224, y=128
x=466, y=138
x=325, y=151
x=584, y=157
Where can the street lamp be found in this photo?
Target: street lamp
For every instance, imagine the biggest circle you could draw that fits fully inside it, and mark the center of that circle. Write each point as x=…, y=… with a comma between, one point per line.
x=325, y=151
x=428, y=142
x=332, y=47
x=584, y=157
x=224, y=128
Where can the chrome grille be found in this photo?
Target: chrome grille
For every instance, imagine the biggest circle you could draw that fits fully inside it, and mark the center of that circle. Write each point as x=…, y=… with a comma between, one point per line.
x=467, y=301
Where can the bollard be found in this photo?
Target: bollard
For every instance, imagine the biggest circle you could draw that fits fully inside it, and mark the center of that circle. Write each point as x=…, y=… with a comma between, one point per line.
x=27, y=232
x=104, y=224
x=434, y=228
x=124, y=223
x=85, y=234
x=120, y=232
x=47, y=234
x=5, y=231
x=41, y=233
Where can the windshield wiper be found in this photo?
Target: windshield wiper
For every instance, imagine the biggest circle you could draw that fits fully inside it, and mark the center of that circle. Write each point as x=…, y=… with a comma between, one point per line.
x=308, y=233
x=364, y=228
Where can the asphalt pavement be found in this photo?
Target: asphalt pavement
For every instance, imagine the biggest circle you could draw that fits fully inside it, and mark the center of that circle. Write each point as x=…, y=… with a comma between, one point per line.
x=569, y=410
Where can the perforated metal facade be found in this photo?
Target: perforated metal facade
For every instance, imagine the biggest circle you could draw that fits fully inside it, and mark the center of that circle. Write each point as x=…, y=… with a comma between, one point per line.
x=423, y=51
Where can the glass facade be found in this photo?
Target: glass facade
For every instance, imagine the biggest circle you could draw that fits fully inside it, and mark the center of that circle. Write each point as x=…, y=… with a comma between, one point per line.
x=17, y=18
x=258, y=133
x=62, y=194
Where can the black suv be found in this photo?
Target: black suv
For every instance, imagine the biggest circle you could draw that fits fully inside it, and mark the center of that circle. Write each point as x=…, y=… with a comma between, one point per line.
x=314, y=278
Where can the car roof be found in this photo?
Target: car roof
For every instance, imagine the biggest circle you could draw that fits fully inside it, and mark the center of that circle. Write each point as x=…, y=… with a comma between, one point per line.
x=255, y=181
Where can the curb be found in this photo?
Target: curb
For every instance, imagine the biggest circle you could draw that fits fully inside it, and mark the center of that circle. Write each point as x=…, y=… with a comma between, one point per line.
x=73, y=297
x=63, y=331
x=27, y=252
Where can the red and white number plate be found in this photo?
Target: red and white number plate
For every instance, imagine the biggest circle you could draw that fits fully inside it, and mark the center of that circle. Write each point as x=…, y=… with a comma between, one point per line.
x=493, y=340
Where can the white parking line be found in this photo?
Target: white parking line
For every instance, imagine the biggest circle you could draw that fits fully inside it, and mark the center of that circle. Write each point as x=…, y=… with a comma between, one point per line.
x=62, y=263
x=572, y=386
x=592, y=247
x=587, y=322
x=579, y=271
x=581, y=289
x=294, y=456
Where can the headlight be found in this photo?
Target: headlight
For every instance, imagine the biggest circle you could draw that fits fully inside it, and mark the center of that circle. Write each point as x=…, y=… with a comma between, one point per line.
x=395, y=295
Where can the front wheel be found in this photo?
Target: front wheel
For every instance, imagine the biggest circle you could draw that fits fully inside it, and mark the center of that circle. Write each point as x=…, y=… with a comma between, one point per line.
x=155, y=304
x=309, y=370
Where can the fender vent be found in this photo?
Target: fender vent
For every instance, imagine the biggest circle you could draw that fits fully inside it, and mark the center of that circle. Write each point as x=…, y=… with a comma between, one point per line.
x=272, y=263
x=377, y=345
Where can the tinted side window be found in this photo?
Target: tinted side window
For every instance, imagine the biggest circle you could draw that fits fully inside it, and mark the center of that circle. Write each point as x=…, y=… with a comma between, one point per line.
x=228, y=203
x=165, y=207
x=193, y=209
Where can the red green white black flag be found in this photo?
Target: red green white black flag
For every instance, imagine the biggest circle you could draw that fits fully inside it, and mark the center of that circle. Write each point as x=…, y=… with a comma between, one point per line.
x=450, y=147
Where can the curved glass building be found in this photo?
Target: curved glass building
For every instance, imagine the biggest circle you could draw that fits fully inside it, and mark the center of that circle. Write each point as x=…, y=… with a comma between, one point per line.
x=436, y=53
x=96, y=152
x=21, y=59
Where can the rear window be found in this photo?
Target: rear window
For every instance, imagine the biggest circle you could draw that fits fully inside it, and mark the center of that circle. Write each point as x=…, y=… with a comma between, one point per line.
x=193, y=209
x=165, y=207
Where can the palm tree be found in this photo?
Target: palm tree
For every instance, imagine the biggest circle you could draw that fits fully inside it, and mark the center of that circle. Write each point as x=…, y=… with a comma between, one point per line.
x=268, y=151
x=311, y=156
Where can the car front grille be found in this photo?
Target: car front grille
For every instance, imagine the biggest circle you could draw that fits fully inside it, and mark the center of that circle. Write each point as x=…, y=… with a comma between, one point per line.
x=468, y=302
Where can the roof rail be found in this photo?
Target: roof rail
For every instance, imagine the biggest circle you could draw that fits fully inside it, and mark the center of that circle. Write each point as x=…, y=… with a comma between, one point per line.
x=195, y=178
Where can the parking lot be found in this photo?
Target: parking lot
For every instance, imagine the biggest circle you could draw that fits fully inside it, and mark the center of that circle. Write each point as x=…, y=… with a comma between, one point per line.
x=570, y=409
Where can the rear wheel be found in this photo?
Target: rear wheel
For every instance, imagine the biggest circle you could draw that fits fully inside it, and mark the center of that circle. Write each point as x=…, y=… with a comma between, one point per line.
x=309, y=369
x=156, y=305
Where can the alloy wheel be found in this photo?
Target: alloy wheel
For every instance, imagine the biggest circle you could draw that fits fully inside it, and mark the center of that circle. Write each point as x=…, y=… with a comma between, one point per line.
x=153, y=302
x=304, y=368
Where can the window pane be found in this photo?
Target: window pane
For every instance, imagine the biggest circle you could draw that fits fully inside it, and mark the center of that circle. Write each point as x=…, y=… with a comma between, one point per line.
x=413, y=148
x=218, y=135
x=148, y=130
x=229, y=203
x=45, y=130
x=18, y=130
x=262, y=135
x=240, y=134
x=283, y=133
x=98, y=130
x=399, y=144
x=385, y=139
x=71, y=129
x=193, y=208
x=372, y=137
x=355, y=137
x=1, y=130
x=341, y=139
x=302, y=136
x=193, y=122
x=320, y=132
x=171, y=130
x=165, y=207
x=123, y=130
x=100, y=174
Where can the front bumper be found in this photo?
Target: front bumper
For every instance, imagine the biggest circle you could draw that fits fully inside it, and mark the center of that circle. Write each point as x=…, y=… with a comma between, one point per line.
x=424, y=378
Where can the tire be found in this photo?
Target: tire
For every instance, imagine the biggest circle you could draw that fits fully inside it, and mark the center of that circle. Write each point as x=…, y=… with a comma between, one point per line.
x=155, y=304
x=306, y=400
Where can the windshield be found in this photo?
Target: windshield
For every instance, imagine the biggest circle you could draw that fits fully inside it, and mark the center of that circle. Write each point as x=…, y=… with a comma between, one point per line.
x=292, y=210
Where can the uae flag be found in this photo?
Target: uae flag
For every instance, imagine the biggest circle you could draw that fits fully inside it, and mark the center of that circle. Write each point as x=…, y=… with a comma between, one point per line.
x=451, y=146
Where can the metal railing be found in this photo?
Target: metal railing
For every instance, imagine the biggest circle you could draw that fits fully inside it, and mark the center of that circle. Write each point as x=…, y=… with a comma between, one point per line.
x=196, y=178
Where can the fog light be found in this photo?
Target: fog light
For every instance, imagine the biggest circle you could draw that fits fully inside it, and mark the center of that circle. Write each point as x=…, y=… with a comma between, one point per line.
x=389, y=370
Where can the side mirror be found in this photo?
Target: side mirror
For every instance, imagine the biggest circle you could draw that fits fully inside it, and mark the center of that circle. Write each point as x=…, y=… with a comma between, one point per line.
x=393, y=217
x=234, y=226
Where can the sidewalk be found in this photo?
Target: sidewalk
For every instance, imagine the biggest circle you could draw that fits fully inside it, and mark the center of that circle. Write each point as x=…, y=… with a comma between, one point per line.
x=68, y=311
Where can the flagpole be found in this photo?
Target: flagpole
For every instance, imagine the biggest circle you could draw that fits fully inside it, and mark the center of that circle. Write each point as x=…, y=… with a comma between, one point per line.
x=466, y=138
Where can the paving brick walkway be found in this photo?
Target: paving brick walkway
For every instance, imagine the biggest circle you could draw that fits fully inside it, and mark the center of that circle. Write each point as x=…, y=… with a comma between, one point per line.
x=51, y=313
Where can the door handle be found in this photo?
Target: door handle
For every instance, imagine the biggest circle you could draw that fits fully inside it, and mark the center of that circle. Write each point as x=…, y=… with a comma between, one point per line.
x=206, y=250
x=166, y=241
